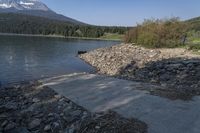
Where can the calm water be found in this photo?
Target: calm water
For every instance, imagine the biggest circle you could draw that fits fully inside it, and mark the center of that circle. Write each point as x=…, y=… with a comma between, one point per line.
x=28, y=58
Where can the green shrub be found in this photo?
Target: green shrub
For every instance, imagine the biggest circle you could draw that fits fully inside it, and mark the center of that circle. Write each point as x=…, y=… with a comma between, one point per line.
x=158, y=33
x=194, y=47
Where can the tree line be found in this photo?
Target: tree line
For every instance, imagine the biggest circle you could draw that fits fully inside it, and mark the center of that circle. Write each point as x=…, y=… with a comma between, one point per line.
x=25, y=24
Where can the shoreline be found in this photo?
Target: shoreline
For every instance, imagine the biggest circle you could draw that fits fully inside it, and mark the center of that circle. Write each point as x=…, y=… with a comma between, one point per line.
x=57, y=36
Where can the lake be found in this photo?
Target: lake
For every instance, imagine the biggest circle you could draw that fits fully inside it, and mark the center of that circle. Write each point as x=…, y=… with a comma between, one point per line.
x=24, y=58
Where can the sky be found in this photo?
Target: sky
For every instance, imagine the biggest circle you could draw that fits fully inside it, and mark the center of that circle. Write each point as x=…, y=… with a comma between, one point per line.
x=124, y=12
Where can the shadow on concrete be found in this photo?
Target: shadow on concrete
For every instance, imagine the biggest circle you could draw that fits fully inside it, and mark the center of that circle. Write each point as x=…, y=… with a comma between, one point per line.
x=101, y=93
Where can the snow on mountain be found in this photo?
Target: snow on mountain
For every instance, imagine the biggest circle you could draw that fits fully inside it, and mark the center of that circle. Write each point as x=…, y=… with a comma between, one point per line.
x=23, y=5
x=33, y=8
x=5, y=6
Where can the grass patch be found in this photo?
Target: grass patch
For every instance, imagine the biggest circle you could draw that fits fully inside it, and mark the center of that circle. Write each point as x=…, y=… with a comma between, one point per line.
x=196, y=41
x=194, y=44
x=113, y=36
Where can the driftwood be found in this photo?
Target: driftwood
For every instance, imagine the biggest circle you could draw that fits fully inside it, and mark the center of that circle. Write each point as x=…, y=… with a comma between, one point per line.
x=81, y=52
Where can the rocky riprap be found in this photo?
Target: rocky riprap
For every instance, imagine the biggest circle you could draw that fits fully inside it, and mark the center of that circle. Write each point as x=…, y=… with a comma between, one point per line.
x=176, y=70
x=33, y=108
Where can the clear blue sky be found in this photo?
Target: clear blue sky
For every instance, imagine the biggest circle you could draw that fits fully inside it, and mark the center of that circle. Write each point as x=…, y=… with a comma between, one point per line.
x=124, y=12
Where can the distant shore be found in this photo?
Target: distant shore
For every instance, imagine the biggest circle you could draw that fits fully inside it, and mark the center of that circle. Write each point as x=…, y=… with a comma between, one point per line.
x=56, y=36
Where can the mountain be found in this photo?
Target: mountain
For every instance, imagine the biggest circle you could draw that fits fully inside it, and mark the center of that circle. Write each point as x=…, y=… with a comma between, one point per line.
x=196, y=19
x=34, y=17
x=34, y=8
x=23, y=5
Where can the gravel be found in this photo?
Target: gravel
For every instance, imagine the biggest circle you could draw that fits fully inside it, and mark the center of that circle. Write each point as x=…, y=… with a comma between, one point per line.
x=177, y=70
x=32, y=108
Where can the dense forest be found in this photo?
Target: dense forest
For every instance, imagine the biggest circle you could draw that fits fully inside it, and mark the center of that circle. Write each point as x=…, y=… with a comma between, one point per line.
x=25, y=24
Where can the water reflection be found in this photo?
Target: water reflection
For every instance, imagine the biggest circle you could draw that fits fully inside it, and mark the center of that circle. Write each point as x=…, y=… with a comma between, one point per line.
x=25, y=58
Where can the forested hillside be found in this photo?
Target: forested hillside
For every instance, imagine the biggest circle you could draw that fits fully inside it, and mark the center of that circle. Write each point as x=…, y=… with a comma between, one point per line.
x=25, y=24
x=195, y=23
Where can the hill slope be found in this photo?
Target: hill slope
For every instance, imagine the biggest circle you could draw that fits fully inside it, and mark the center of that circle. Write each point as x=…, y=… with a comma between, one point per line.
x=34, y=8
x=195, y=23
x=27, y=24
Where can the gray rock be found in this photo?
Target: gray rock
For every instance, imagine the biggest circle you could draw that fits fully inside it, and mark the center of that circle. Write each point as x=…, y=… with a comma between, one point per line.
x=39, y=115
x=75, y=113
x=57, y=96
x=62, y=99
x=59, y=107
x=9, y=126
x=70, y=130
x=21, y=130
x=67, y=110
x=85, y=113
x=47, y=128
x=97, y=127
x=8, y=107
x=34, y=123
x=56, y=125
x=151, y=55
x=36, y=100
x=69, y=119
x=17, y=86
x=50, y=115
x=7, y=98
x=3, y=116
x=4, y=123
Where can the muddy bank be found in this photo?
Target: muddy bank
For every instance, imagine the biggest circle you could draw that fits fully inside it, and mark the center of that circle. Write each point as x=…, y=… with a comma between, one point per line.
x=176, y=70
x=33, y=108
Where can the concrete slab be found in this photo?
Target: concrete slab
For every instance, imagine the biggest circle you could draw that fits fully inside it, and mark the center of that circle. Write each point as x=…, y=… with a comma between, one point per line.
x=100, y=93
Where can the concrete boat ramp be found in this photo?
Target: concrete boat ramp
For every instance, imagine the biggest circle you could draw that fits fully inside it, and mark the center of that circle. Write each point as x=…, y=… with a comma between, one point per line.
x=100, y=93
